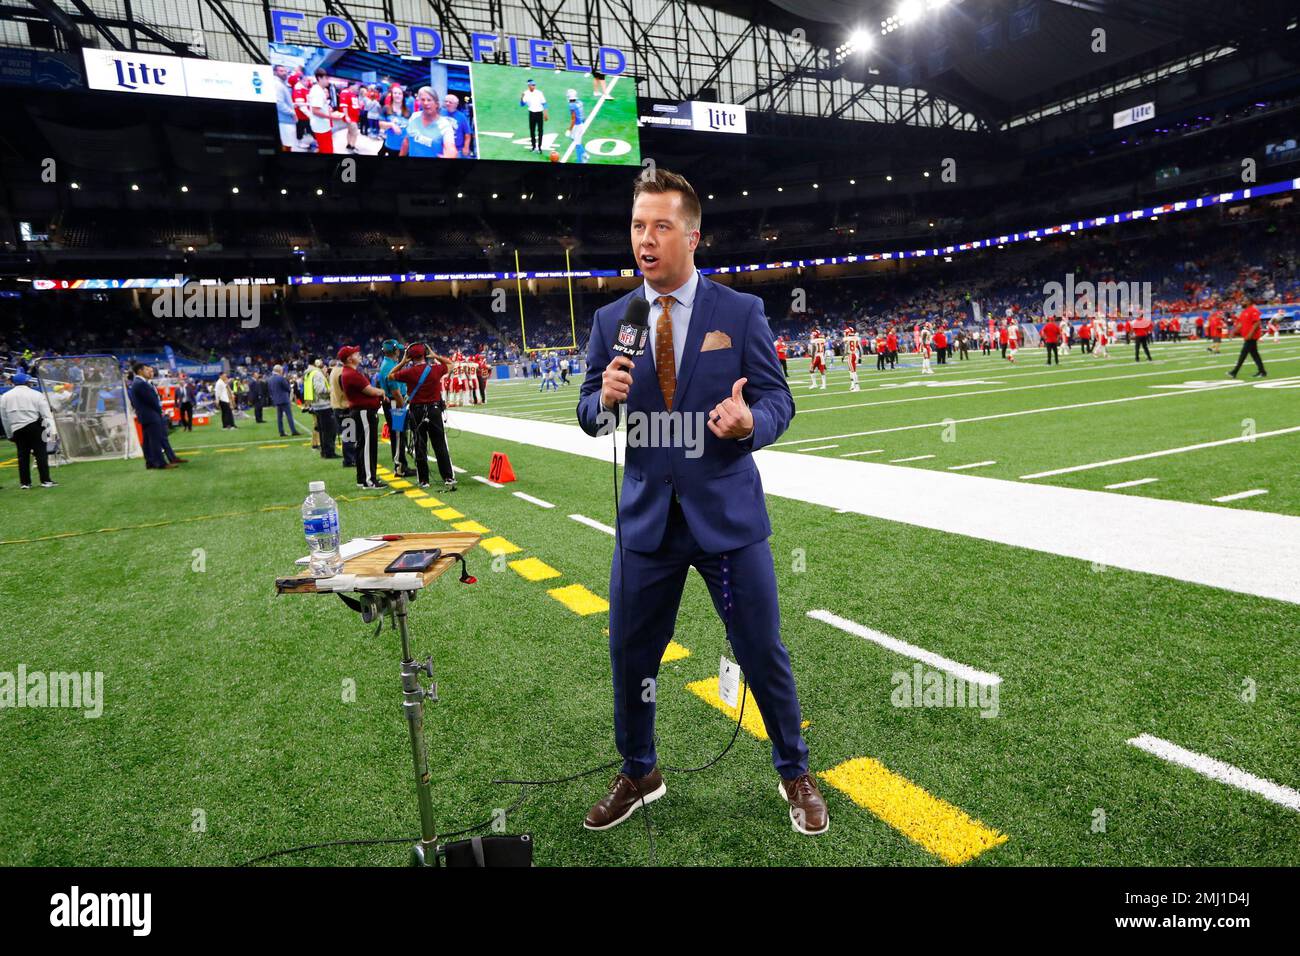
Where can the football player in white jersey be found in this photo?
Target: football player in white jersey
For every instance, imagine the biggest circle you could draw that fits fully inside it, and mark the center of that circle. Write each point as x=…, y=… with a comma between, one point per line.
x=852, y=353
x=1013, y=340
x=817, y=360
x=924, y=340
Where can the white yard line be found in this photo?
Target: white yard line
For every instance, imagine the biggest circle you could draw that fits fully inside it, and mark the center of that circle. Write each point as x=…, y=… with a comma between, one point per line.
x=899, y=461
x=968, y=674
x=455, y=468
x=488, y=481
x=533, y=501
x=1131, y=484
x=973, y=464
x=819, y=448
x=940, y=393
x=1218, y=770
x=1160, y=454
x=1243, y=494
x=1198, y=543
x=943, y=423
x=856, y=454
x=592, y=523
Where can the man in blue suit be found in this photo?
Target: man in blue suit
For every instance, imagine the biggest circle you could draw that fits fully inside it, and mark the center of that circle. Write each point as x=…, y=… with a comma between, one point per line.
x=148, y=411
x=281, y=397
x=696, y=503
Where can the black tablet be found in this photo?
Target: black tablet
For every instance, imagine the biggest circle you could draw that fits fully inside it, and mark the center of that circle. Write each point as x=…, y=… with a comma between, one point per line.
x=421, y=560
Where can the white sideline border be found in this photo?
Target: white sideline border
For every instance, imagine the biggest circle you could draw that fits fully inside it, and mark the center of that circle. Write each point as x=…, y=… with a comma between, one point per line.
x=1185, y=541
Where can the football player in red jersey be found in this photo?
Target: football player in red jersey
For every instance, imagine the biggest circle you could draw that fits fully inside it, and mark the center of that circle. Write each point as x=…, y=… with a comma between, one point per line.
x=782, y=354
x=891, y=347
x=852, y=352
x=817, y=359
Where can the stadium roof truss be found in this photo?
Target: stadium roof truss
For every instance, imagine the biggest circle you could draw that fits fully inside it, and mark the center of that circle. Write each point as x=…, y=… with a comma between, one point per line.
x=677, y=49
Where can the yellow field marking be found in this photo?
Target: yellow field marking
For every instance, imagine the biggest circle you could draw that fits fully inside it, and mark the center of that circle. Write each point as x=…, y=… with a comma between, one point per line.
x=707, y=691
x=399, y=483
x=448, y=514
x=416, y=493
x=946, y=831
x=429, y=503
x=228, y=451
x=497, y=545
x=674, y=652
x=578, y=599
x=265, y=447
x=530, y=569
x=473, y=527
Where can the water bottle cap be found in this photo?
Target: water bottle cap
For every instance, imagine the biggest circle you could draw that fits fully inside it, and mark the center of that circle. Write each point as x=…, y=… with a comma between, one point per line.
x=316, y=486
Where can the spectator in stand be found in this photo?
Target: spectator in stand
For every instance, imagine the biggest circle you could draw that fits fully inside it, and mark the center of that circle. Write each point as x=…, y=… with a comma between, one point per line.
x=225, y=401
x=28, y=422
x=281, y=397
x=363, y=399
x=1250, y=329
x=342, y=415
x=1141, y=326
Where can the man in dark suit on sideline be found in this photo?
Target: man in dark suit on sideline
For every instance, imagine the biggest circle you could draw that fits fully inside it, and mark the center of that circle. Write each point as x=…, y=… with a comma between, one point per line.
x=148, y=411
x=260, y=395
x=694, y=504
x=185, y=399
x=282, y=398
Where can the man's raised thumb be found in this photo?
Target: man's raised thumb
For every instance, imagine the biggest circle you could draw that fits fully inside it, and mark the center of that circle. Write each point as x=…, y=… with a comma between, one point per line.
x=735, y=390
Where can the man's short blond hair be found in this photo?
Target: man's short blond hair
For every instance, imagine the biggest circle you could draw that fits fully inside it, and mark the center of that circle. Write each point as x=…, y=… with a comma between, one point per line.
x=659, y=180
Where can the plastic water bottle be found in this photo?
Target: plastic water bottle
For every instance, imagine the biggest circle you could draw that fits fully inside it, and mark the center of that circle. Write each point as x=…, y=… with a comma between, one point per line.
x=320, y=522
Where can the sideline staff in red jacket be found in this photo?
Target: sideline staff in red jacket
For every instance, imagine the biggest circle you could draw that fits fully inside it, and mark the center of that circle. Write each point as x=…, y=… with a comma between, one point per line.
x=1250, y=330
x=363, y=399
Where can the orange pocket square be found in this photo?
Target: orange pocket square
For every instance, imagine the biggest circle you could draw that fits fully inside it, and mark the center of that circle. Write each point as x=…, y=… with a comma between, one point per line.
x=716, y=340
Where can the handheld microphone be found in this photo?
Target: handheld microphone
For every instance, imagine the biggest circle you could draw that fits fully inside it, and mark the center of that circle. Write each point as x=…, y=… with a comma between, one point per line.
x=633, y=328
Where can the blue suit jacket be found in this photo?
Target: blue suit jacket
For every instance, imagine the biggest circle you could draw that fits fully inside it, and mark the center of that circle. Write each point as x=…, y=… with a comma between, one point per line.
x=145, y=400
x=278, y=387
x=720, y=491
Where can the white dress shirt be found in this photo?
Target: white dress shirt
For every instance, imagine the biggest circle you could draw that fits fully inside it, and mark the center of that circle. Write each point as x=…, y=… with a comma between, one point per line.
x=222, y=392
x=534, y=99
x=22, y=405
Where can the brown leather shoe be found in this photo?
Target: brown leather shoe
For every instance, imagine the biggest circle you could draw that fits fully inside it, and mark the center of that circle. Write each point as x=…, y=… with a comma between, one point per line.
x=807, y=808
x=625, y=795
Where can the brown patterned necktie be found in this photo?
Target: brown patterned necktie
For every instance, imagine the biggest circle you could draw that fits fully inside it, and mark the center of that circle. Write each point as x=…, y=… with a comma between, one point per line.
x=665, y=361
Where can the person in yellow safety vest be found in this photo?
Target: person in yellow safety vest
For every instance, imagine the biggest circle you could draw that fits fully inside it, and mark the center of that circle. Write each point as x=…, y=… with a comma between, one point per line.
x=316, y=399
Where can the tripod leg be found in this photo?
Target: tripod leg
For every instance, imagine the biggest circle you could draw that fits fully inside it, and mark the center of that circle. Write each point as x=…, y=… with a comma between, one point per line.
x=422, y=853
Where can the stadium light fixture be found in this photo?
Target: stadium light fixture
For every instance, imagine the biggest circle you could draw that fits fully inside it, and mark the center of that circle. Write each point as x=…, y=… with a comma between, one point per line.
x=234, y=190
x=853, y=182
x=460, y=195
x=283, y=191
x=523, y=195
x=817, y=186
x=744, y=192
x=319, y=191
x=494, y=195
x=559, y=195
x=184, y=189
x=888, y=178
x=926, y=174
x=780, y=189
x=135, y=188
x=909, y=10
x=710, y=195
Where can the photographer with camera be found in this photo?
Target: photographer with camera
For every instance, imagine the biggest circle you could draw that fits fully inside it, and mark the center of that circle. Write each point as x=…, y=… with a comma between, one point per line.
x=423, y=382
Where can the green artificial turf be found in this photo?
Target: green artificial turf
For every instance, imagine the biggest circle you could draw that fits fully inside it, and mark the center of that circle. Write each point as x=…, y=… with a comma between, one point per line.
x=225, y=699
